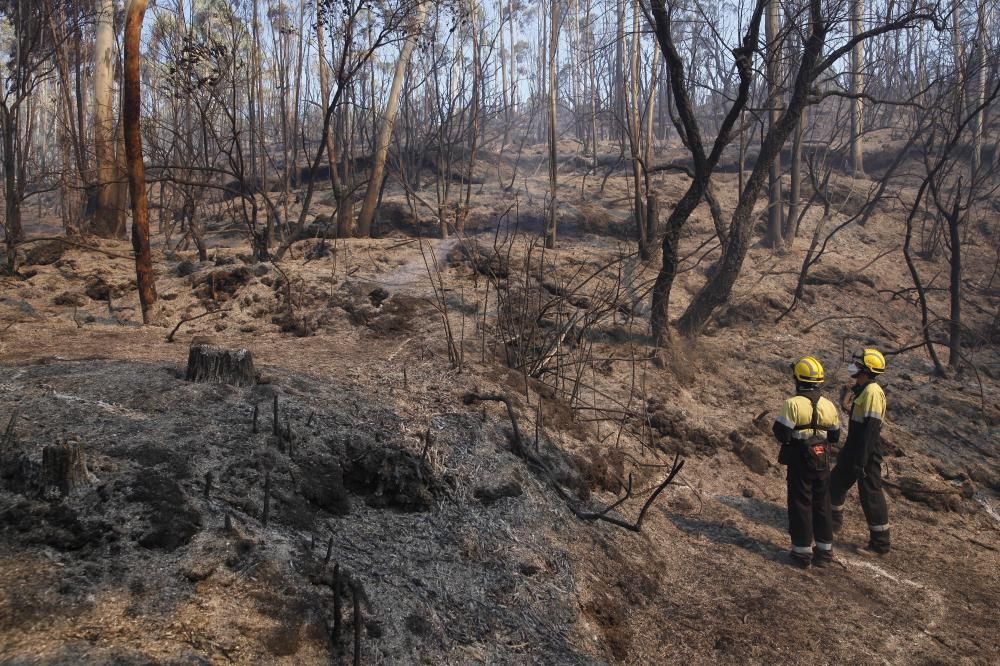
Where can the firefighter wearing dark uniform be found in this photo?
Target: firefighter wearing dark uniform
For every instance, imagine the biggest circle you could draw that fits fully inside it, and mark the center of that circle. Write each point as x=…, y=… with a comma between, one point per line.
x=861, y=458
x=807, y=426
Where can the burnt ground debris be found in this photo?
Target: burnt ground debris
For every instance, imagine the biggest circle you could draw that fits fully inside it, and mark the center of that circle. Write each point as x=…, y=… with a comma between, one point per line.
x=521, y=577
x=151, y=436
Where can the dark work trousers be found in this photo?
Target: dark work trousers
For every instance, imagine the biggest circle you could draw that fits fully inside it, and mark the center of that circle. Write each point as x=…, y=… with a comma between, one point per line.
x=808, y=504
x=869, y=489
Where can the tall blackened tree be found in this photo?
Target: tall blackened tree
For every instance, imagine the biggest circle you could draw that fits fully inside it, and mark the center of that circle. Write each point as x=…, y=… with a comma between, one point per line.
x=811, y=64
x=27, y=63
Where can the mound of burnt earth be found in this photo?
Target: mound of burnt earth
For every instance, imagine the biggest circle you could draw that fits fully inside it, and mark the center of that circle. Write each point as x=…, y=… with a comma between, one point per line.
x=241, y=524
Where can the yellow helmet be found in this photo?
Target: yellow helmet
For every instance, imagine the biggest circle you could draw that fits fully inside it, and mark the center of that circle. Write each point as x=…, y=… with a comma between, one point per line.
x=808, y=370
x=867, y=359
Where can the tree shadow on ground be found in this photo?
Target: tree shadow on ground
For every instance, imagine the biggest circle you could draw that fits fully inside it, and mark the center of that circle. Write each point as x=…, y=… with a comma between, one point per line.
x=759, y=511
x=728, y=535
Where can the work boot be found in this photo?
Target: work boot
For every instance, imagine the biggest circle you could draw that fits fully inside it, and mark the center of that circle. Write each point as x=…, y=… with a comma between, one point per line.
x=878, y=540
x=800, y=560
x=873, y=548
x=876, y=548
x=822, y=558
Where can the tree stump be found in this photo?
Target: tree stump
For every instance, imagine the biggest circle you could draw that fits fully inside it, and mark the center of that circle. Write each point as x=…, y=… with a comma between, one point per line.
x=209, y=362
x=63, y=468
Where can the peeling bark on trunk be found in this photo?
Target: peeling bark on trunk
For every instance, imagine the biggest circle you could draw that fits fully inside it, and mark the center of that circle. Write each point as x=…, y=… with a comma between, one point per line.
x=109, y=218
x=982, y=27
x=345, y=207
x=136, y=168
x=367, y=214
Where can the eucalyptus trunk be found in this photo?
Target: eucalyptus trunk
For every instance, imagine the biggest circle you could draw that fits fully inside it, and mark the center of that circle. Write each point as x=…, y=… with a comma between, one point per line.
x=136, y=169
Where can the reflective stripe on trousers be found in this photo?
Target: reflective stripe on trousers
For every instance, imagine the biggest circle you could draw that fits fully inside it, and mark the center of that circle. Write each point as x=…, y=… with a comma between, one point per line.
x=879, y=528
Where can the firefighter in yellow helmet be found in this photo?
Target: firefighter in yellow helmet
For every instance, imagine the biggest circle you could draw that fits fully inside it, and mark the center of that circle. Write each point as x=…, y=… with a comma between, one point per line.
x=808, y=425
x=861, y=458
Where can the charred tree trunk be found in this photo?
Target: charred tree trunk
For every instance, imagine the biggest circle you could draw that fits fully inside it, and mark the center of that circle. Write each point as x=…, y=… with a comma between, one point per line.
x=476, y=103
x=12, y=203
x=857, y=88
x=652, y=218
x=954, y=219
x=63, y=468
x=716, y=291
x=208, y=362
x=775, y=207
x=345, y=206
x=136, y=168
x=552, y=223
x=918, y=285
x=668, y=271
x=791, y=225
x=634, y=136
x=704, y=162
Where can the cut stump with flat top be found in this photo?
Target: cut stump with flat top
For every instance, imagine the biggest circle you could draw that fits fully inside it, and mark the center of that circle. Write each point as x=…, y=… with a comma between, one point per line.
x=63, y=468
x=210, y=362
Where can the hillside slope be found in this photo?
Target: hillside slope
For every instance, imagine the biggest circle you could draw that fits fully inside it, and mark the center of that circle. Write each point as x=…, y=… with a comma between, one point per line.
x=460, y=550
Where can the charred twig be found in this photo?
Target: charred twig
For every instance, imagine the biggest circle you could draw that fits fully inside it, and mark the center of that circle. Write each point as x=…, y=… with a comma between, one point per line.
x=539, y=428
x=356, y=593
x=473, y=397
x=267, y=497
x=834, y=317
x=170, y=338
x=401, y=244
x=275, y=427
x=337, y=611
x=617, y=503
x=440, y=303
x=428, y=440
x=637, y=525
x=8, y=432
x=113, y=255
